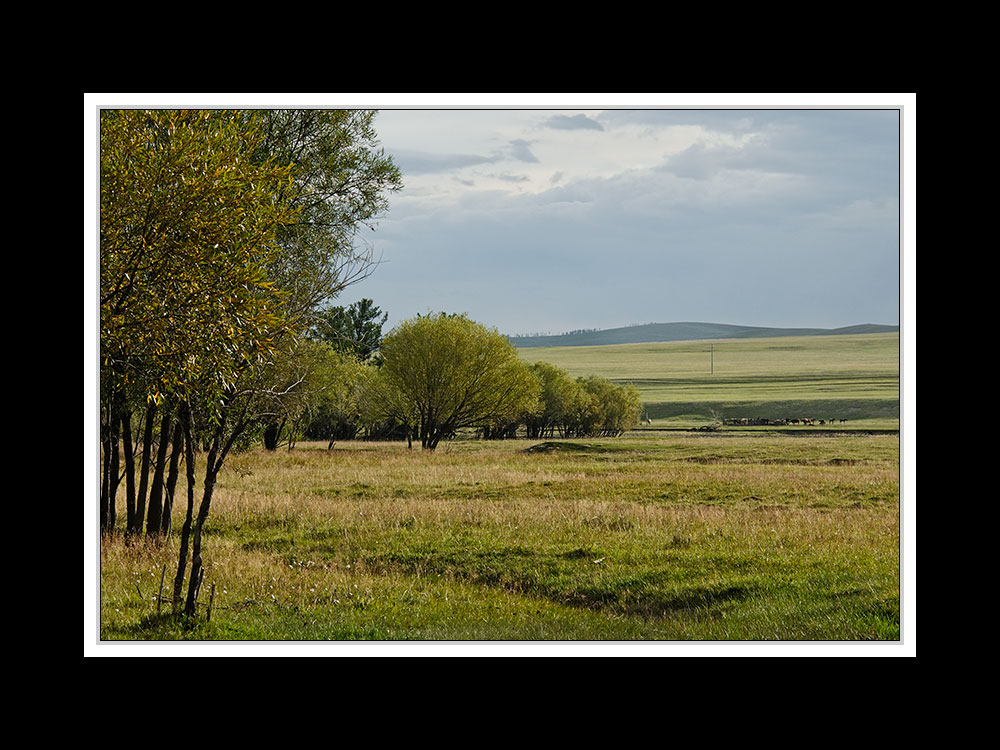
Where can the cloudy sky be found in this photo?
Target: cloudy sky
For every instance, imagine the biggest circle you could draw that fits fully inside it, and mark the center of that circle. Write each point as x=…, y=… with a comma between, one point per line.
x=535, y=220
x=547, y=213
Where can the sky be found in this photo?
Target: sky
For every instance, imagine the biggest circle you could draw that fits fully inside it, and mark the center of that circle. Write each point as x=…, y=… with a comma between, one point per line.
x=546, y=213
x=547, y=219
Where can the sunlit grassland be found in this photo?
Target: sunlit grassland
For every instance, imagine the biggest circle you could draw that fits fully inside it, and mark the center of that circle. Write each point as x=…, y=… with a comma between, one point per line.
x=648, y=537
x=852, y=377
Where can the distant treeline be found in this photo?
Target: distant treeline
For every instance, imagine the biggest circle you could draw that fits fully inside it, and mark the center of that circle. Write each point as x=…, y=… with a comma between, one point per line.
x=661, y=332
x=564, y=333
x=575, y=332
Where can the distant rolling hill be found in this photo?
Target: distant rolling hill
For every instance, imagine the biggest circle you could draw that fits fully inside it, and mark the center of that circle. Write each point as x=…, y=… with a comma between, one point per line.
x=658, y=332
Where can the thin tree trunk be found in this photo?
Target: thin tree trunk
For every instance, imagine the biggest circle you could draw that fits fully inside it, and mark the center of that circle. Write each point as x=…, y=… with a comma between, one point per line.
x=213, y=463
x=272, y=434
x=155, y=513
x=114, y=476
x=110, y=467
x=126, y=421
x=219, y=449
x=186, y=529
x=147, y=447
x=177, y=445
x=197, y=566
x=105, y=473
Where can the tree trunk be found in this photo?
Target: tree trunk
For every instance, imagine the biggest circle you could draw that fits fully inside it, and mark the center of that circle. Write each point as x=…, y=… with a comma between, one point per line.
x=126, y=421
x=186, y=529
x=196, y=562
x=147, y=446
x=213, y=463
x=114, y=477
x=111, y=478
x=176, y=447
x=105, y=473
x=154, y=517
x=219, y=449
x=271, y=435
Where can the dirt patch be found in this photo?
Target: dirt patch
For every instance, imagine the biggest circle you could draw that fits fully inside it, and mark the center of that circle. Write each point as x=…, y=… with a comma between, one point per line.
x=555, y=446
x=771, y=461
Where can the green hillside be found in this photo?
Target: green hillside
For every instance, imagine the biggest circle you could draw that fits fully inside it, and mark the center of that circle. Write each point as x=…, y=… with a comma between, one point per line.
x=657, y=332
x=853, y=377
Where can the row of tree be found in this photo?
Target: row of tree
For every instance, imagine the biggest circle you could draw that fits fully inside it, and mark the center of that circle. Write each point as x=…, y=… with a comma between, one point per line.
x=435, y=375
x=222, y=234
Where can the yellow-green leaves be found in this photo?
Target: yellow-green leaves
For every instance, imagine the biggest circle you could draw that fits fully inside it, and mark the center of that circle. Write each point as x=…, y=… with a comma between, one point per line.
x=445, y=372
x=188, y=223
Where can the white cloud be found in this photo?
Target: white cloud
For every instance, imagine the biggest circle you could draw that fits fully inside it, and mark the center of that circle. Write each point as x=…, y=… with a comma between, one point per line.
x=686, y=207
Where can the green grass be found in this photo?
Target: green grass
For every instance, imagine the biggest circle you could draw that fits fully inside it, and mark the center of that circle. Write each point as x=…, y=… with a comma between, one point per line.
x=649, y=538
x=745, y=534
x=852, y=377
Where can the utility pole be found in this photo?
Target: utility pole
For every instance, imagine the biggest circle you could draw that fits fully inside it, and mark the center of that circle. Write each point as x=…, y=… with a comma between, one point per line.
x=713, y=359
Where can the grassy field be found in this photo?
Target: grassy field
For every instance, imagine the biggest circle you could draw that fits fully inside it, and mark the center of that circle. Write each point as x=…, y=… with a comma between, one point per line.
x=670, y=537
x=684, y=384
x=662, y=535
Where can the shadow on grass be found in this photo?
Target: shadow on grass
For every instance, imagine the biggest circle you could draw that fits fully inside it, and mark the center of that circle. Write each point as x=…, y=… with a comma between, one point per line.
x=650, y=596
x=661, y=604
x=166, y=626
x=554, y=446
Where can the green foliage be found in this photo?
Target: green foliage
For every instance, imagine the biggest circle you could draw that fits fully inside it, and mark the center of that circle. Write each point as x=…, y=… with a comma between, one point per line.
x=442, y=373
x=221, y=233
x=341, y=184
x=356, y=329
x=188, y=224
x=555, y=394
x=584, y=407
x=336, y=410
x=606, y=409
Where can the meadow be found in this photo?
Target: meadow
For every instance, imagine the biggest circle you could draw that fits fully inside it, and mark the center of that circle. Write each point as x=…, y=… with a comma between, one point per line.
x=659, y=535
x=690, y=383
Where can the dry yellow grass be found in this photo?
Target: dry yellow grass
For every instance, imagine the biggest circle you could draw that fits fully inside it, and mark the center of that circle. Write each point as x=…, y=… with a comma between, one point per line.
x=679, y=537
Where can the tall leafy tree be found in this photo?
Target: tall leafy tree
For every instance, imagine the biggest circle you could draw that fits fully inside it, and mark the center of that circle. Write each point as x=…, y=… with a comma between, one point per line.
x=356, y=329
x=342, y=180
x=442, y=373
x=341, y=183
x=558, y=391
x=612, y=409
x=336, y=411
x=187, y=231
x=221, y=232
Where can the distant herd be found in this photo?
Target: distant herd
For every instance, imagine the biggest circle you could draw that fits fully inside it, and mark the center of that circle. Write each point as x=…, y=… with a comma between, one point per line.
x=764, y=422
x=779, y=422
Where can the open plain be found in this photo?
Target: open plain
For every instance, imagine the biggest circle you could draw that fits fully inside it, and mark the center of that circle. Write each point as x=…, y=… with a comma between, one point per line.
x=667, y=533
